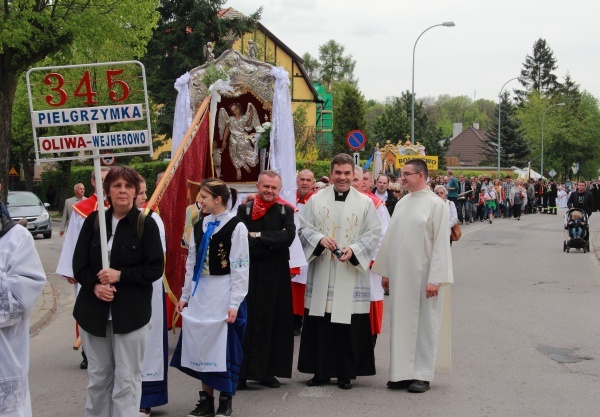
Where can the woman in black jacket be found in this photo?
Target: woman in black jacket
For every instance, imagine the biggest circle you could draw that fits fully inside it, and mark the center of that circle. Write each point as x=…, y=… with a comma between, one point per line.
x=113, y=307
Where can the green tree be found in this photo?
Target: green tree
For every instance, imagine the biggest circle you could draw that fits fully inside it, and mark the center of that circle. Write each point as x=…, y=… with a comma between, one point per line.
x=447, y=110
x=32, y=30
x=334, y=65
x=312, y=67
x=514, y=149
x=394, y=125
x=348, y=114
x=538, y=72
x=184, y=27
x=570, y=131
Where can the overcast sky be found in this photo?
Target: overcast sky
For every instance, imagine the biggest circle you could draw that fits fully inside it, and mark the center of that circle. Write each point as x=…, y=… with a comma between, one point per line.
x=486, y=48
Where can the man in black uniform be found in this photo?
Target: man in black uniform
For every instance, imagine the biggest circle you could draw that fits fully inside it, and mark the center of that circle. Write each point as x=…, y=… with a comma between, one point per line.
x=539, y=193
x=552, y=192
x=269, y=340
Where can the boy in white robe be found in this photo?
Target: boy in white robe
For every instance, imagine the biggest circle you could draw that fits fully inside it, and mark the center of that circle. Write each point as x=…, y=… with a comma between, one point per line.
x=22, y=279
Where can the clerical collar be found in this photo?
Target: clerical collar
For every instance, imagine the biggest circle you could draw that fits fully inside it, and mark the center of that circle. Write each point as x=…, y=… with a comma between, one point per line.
x=341, y=195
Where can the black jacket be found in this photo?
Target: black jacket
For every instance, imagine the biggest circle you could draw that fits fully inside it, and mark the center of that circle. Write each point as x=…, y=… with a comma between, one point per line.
x=140, y=263
x=468, y=187
x=587, y=205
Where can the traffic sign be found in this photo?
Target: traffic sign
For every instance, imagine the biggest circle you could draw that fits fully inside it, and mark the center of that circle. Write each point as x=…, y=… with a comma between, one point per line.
x=356, y=140
x=13, y=172
x=108, y=161
x=357, y=158
x=552, y=173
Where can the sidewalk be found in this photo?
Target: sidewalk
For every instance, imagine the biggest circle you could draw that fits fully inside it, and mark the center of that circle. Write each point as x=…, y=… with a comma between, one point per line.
x=46, y=306
x=44, y=310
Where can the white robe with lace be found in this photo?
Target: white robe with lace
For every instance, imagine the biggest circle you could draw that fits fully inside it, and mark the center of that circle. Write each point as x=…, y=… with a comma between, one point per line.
x=22, y=279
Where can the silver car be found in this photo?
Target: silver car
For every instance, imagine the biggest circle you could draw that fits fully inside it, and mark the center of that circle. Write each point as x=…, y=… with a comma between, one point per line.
x=27, y=205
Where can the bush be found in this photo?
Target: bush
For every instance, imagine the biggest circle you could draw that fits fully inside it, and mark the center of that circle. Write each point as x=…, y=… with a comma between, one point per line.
x=82, y=174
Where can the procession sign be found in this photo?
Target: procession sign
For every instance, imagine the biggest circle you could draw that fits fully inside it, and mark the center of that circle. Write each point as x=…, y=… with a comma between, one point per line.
x=67, y=103
x=70, y=103
x=431, y=161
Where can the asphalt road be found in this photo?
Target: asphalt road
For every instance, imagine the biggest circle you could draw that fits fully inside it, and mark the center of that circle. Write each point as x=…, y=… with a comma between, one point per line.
x=526, y=333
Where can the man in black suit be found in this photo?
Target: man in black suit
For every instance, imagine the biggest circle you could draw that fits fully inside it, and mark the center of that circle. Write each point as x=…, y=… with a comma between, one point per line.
x=269, y=340
x=464, y=194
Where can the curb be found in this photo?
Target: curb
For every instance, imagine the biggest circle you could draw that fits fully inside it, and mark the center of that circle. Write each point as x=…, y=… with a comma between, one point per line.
x=44, y=310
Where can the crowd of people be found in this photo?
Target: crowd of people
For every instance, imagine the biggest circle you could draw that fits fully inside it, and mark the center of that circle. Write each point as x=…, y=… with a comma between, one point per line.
x=260, y=272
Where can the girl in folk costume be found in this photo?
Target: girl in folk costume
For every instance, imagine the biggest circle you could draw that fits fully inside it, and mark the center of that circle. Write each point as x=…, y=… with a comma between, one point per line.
x=212, y=302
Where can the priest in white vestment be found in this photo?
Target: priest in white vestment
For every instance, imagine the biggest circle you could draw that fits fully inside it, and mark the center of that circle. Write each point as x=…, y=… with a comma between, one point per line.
x=22, y=279
x=339, y=233
x=415, y=255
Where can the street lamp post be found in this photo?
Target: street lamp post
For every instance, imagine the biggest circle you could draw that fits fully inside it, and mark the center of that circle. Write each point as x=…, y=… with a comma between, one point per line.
x=412, y=101
x=499, y=105
x=543, y=118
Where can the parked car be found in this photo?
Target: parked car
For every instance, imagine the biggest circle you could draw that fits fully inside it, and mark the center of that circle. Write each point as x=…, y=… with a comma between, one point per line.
x=26, y=205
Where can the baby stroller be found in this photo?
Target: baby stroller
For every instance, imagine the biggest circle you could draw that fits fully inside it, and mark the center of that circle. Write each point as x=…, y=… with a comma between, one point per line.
x=576, y=230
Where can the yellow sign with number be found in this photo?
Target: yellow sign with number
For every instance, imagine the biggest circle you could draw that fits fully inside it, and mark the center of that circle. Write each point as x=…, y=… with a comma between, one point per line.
x=431, y=161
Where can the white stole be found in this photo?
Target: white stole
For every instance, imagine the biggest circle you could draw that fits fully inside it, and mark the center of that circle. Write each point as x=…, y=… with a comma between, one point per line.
x=359, y=230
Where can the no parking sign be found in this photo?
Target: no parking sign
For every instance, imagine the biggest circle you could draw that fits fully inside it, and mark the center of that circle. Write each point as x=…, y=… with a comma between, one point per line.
x=356, y=140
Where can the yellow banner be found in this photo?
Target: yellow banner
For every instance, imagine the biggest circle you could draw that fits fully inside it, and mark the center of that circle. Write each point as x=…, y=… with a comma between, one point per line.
x=431, y=161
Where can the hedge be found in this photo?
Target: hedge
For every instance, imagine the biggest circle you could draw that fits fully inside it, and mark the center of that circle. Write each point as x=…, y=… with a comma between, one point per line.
x=82, y=174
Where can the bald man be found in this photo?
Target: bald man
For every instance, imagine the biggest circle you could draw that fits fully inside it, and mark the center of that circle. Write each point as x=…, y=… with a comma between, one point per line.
x=79, y=191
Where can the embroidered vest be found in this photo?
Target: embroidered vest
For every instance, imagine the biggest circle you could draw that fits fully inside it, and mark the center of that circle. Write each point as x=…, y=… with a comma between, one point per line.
x=219, y=246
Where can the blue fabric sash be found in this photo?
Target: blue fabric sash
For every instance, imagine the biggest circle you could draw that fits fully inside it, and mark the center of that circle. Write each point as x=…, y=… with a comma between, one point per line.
x=202, y=251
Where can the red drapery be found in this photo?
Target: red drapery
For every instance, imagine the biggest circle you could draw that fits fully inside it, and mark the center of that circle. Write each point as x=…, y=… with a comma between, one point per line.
x=194, y=166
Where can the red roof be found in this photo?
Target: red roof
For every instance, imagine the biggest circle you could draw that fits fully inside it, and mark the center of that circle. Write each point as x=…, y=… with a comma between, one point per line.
x=468, y=146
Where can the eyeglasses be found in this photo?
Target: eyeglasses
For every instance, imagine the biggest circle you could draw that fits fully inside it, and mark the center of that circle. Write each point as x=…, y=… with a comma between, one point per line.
x=408, y=174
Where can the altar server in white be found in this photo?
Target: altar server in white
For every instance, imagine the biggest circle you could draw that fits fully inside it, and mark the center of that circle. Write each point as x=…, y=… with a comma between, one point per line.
x=154, y=365
x=415, y=255
x=22, y=279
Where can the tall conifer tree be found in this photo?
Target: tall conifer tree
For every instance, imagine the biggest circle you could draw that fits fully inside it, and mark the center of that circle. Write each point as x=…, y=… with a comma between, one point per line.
x=538, y=72
x=514, y=149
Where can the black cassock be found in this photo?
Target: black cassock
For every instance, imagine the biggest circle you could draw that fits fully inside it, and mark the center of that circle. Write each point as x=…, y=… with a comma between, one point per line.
x=269, y=340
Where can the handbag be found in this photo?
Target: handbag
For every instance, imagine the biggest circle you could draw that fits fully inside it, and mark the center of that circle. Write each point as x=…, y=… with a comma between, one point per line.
x=455, y=232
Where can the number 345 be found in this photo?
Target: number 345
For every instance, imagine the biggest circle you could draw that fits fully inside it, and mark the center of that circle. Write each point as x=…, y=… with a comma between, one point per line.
x=84, y=88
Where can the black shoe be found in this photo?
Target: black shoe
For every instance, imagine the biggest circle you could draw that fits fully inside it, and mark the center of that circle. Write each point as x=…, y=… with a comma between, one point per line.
x=271, y=382
x=316, y=381
x=225, y=408
x=490, y=220
x=344, y=383
x=205, y=407
x=84, y=362
x=418, y=387
x=399, y=384
x=241, y=384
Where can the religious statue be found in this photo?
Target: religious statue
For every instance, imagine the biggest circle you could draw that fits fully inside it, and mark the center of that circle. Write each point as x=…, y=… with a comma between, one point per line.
x=234, y=132
x=252, y=50
x=208, y=52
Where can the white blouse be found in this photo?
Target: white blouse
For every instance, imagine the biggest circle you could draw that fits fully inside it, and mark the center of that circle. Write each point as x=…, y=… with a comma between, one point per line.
x=239, y=260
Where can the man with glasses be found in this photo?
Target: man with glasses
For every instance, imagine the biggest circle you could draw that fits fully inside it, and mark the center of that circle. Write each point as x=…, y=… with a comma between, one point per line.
x=415, y=255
